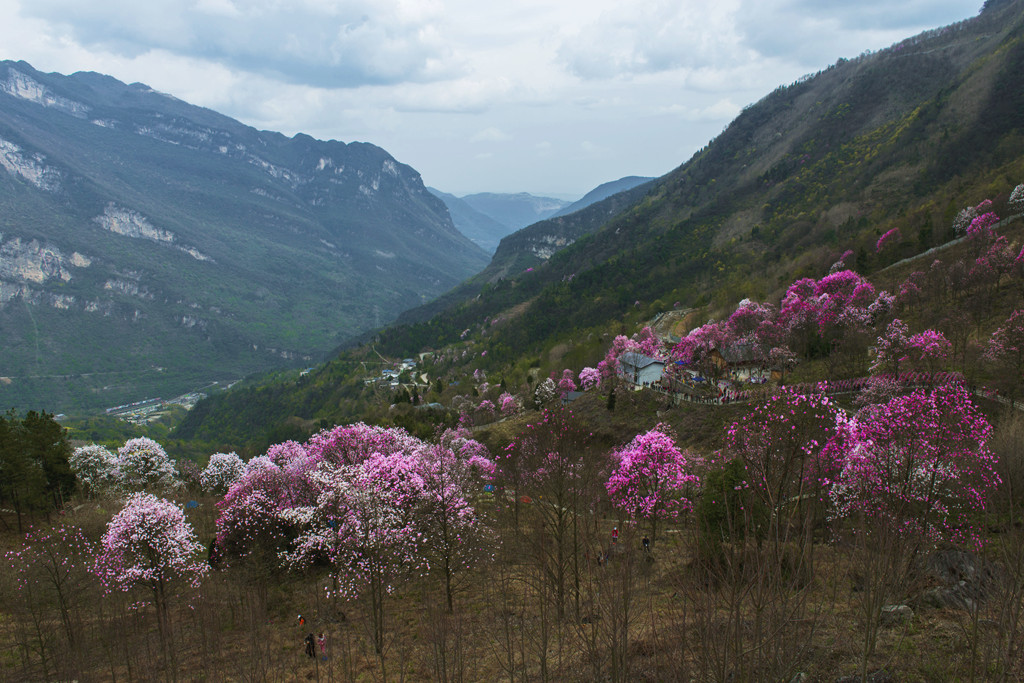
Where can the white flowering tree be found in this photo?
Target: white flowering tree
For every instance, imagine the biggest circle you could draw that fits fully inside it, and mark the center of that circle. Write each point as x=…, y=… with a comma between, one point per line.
x=149, y=544
x=95, y=467
x=545, y=392
x=223, y=470
x=144, y=464
x=1017, y=198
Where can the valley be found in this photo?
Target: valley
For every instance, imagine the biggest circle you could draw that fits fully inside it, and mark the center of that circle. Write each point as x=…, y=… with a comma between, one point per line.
x=757, y=419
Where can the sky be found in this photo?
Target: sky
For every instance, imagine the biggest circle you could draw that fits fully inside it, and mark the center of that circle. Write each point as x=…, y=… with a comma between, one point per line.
x=551, y=97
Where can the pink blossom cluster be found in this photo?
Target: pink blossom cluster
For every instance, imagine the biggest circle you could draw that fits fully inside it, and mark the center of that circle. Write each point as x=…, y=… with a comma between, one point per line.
x=652, y=478
x=509, y=404
x=589, y=378
x=914, y=463
x=890, y=237
x=363, y=499
x=1007, y=343
x=58, y=552
x=917, y=464
x=982, y=225
x=148, y=543
x=781, y=443
x=567, y=383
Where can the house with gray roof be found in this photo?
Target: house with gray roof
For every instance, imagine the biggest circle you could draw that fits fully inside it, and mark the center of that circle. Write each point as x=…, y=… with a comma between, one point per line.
x=639, y=369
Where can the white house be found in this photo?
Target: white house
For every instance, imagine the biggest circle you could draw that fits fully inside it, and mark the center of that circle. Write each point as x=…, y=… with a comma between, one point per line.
x=639, y=369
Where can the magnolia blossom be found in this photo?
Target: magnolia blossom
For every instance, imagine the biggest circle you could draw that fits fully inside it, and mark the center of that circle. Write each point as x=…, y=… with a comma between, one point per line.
x=509, y=404
x=929, y=349
x=55, y=554
x=221, y=472
x=918, y=464
x=486, y=409
x=545, y=392
x=1016, y=201
x=781, y=444
x=589, y=377
x=652, y=478
x=95, y=467
x=144, y=464
x=149, y=543
x=1006, y=346
x=982, y=225
x=567, y=383
x=891, y=349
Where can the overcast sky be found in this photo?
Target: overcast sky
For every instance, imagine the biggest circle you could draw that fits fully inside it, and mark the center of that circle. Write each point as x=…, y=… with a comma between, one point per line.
x=543, y=96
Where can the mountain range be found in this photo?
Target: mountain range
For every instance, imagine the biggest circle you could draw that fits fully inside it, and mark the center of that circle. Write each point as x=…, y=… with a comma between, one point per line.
x=812, y=174
x=488, y=217
x=148, y=246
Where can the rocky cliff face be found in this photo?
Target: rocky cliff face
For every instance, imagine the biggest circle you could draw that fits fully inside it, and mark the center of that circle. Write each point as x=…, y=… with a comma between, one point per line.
x=140, y=232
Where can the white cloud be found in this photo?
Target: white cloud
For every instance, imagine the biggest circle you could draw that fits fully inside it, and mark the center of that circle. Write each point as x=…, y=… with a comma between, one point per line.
x=490, y=134
x=659, y=35
x=722, y=110
x=599, y=88
x=335, y=43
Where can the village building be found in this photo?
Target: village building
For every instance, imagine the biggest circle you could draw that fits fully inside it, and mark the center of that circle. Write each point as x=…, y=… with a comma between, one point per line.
x=639, y=369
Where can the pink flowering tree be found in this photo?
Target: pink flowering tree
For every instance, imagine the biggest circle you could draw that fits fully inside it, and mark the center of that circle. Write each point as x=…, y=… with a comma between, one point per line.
x=567, y=383
x=929, y=350
x=589, y=378
x=982, y=226
x=509, y=404
x=95, y=467
x=910, y=472
x=878, y=389
x=652, y=480
x=783, y=360
x=451, y=527
x=997, y=262
x=354, y=443
x=781, y=444
x=144, y=464
x=250, y=528
x=149, y=544
x=699, y=349
x=551, y=463
x=485, y=411
x=646, y=342
x=363, y=524
x=918, y=466
x=832, y=312
x=223, y=470
x=609, y=367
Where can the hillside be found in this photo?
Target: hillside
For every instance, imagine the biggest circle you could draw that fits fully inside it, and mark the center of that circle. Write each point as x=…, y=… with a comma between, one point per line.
x=901, y=138
x=603, y=191
x=149, y=246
